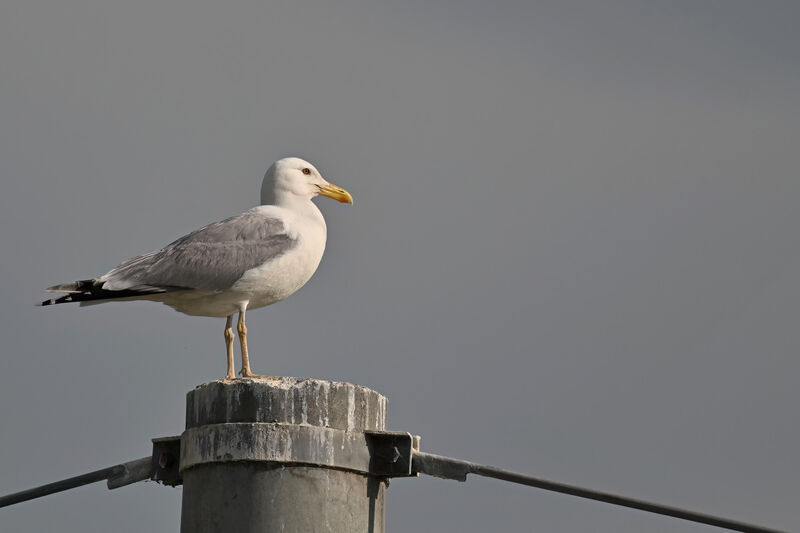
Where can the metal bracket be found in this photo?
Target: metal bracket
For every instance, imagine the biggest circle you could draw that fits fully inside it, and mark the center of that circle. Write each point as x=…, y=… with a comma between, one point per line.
x=161, y=466
x=391, y=453
x=166, y=461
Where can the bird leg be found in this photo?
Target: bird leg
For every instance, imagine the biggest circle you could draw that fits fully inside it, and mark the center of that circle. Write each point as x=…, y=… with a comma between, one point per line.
x=242, y=329
x=229, y=347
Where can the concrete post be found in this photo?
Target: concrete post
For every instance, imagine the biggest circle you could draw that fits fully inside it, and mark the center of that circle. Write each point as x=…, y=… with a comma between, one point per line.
x=234, y=428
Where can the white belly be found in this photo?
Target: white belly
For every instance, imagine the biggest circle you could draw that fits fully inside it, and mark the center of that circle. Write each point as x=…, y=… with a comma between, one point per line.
x=280, y=278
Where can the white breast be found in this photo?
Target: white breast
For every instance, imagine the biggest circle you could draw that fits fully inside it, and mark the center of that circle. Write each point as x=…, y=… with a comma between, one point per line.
x=280, y=277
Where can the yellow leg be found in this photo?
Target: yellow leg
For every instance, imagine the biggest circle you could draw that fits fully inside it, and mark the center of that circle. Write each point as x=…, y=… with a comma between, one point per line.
x=242, y=329
x=229, y=347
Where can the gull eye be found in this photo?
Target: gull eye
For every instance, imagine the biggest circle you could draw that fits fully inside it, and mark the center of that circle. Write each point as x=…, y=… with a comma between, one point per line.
x=306, y=171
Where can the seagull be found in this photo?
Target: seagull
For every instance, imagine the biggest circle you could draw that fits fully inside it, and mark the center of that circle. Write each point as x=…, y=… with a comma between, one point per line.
x=244, y=262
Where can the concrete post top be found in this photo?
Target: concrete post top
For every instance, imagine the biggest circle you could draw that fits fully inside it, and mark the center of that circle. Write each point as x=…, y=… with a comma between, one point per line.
x=287, y=400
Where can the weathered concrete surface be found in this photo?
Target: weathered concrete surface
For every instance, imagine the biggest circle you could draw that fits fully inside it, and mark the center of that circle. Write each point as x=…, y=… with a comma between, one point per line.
x=250, y=497
x=315, y=402
x=244, y=491
x=283, y=443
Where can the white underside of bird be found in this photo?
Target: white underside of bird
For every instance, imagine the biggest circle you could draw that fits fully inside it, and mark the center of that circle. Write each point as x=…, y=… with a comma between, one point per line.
x=245, y=262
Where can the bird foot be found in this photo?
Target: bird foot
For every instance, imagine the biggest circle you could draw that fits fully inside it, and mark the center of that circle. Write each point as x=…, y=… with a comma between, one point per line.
x=249, y=374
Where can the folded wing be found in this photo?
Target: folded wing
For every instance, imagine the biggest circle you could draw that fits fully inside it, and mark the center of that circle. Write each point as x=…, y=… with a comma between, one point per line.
x=210, y=259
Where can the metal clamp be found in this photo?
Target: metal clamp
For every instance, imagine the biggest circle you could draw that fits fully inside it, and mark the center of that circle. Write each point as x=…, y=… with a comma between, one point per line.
x=166, y=461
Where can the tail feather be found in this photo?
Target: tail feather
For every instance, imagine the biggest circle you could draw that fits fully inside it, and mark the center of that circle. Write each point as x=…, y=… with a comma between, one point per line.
x=90, y=290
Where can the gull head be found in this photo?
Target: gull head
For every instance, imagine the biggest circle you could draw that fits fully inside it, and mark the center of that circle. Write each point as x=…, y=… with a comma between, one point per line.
x=290, y=179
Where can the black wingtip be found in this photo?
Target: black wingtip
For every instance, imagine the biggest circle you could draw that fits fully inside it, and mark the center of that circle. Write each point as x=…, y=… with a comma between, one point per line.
x=93, y=293
x=52, y=301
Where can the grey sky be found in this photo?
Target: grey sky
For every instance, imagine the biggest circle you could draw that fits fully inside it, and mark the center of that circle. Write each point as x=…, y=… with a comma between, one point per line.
x=573, y=250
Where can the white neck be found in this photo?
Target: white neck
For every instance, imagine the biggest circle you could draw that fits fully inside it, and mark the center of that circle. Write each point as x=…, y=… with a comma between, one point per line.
x=300, y=206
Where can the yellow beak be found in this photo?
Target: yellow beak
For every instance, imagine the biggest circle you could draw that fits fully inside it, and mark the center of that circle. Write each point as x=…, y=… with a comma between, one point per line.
x=337, y=193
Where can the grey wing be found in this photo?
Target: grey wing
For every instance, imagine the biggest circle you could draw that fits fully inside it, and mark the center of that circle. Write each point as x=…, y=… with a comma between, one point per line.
x=212, y=258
